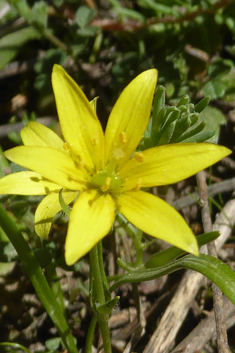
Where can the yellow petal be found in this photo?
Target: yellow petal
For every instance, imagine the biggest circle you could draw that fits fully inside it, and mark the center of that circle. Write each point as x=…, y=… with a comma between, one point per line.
x=35, y=134
x=155, y=217
x=27, y=183
x=129, y=117
x=91, y=219
x=47, y=209
x=79, y=123
x=169, y=164
x=50, y=163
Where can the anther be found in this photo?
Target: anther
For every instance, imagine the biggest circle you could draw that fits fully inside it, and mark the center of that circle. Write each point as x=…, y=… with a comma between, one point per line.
x=123, y=137
x=66, y=146
x=107, y=183
x=95, y=141
x=138, y=185
x=139, y=156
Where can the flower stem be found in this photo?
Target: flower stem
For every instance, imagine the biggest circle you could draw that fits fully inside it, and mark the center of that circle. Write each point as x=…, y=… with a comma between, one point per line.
x=90, y=334
x=38, y=279
x=54, y=283
x=102, y=272
x=98, y=297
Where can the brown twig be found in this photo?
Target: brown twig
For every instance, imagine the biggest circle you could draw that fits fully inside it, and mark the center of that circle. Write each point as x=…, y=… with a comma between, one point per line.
x=6, y=129
x=163, y=337
x=214, y=189
x=205, y=330
x=222, y=340
x=113, y=25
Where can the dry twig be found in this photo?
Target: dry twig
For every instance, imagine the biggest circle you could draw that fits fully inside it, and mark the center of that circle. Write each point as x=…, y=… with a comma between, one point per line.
x=162, y=340
x=222, y=340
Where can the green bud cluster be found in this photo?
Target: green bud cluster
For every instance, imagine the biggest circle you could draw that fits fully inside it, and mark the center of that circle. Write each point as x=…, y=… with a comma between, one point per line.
x=173, y=124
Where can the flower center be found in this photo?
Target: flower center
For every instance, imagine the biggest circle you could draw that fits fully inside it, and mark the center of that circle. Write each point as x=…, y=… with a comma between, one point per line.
x=106, y=181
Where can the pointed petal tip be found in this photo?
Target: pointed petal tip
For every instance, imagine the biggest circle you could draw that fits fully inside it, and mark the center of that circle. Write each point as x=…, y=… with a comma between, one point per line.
x=70, y=259
x=151, y=74
x=57, y=67
x=225, y=151
x=193, y=249
x=58, y=70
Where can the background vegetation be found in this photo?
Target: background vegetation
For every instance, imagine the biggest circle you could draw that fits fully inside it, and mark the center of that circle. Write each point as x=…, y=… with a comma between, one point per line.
x=103, y=44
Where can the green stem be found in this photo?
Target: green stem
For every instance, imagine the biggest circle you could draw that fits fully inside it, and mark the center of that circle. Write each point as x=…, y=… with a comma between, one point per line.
x=38, y=279
x=15, y=346
x=102, y=272
x=54, y=40
x=136, y=236
x=98, y=293
x=90, y=334
x=55, y=285
x=215, y=270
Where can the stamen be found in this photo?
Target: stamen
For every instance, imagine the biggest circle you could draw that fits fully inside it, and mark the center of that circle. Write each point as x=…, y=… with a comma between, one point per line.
x=74, y=178
x=66, y=147
x=138, y=184
x=107, y=183
x=123, y=137
x=139, y=156
x=95, y=141
x=117, y=154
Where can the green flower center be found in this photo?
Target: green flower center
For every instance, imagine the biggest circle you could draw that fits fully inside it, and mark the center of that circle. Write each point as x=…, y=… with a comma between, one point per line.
x=106, y=181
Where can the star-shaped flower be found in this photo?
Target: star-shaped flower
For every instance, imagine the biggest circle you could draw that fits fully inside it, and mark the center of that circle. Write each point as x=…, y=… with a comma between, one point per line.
x=102, y=172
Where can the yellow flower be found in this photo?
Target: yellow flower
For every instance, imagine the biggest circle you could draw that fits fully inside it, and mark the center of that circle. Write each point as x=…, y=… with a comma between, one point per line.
x=100, y=172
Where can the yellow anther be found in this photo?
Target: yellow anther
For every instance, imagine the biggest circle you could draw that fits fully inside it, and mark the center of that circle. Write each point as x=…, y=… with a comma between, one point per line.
x=66, y=147
x=138, y=185
x=123, y=137
x=82, y=164
x=95, y=141
x=139, y=156
x=107, y=183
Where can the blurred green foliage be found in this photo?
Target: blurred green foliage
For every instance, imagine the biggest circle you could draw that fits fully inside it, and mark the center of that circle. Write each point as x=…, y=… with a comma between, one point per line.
x=105, y=43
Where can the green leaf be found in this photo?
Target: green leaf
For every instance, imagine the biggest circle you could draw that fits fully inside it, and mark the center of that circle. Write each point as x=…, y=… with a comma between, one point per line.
x=39, y=14
x=53, y=343
x=152, y=4
x=215, y=89
x=7, y=252
x=167, y=117
x=12, y=43
x=123, y=12
x=38, y=279
x=88, y=31
x=158, y=104
x=183, y=101
x=57, y=3
x=220, y=67
x=182, y=124
x=107, y=307
x=84, y=15
x=201, y=137
x=214, y=119
x=16, y=347
x=215, y=270
x=22, y=7
x=200, y=106
x=192, y=132
x=163, y=257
